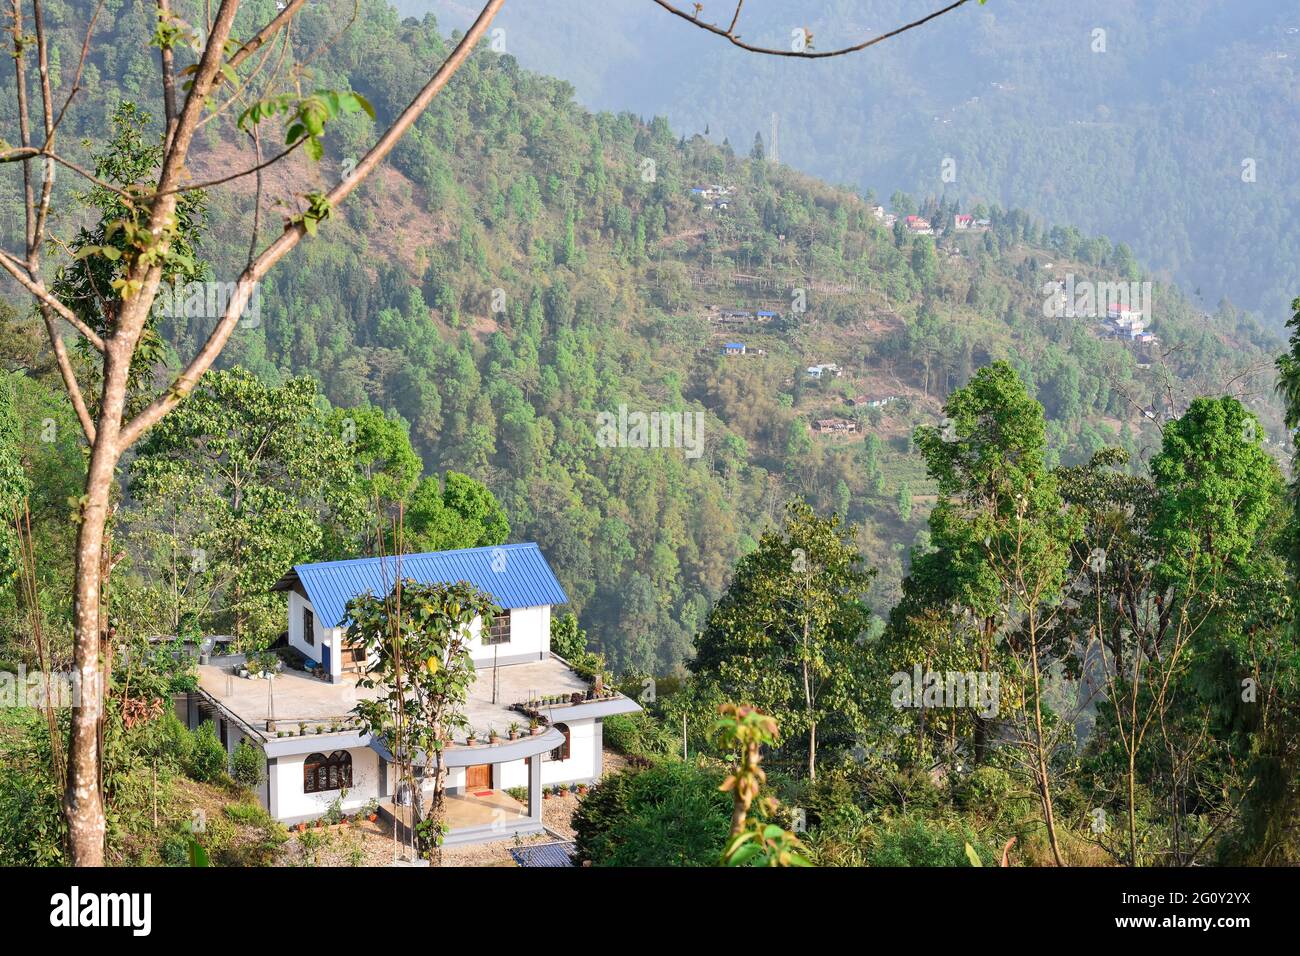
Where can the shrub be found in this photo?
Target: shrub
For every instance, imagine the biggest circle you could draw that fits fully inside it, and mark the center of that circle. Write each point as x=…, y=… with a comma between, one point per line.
x=640, y=734
x=911, y=841
x=175, y=742
x=831, y=802
x=669, y=814
x=31, y=818
x=246, y=765
x=207, y=760
x=175, y=850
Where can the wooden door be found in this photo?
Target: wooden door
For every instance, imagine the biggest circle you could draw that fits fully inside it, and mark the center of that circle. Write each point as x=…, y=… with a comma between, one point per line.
x=478, y=777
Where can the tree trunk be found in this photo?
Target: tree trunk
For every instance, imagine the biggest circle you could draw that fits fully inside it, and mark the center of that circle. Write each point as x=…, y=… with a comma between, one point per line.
x=808, y=706
x=981, y=722
x=1044, y=782
x=438, y=811
x=83, y=799
x=1132, y=816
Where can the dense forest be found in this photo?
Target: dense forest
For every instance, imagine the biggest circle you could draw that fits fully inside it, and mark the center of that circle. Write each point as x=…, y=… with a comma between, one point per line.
x=968, y=477
x=526, y=264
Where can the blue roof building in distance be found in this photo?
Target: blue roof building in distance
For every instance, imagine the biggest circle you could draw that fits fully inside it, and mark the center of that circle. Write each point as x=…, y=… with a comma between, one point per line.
x=515, y=575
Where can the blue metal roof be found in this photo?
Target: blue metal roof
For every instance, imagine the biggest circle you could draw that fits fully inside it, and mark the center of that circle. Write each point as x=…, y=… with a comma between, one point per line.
x=515, y=575
x=545, y=854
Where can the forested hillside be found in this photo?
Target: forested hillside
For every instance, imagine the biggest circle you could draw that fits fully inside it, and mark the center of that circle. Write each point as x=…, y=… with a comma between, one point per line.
x=1141, y=131
x=526, y=264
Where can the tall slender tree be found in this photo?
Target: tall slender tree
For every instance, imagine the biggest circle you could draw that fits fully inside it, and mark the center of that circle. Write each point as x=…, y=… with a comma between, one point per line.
x=788, y=634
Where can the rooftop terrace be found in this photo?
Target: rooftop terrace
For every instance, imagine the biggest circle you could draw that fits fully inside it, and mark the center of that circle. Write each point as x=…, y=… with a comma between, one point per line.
x=295, y=697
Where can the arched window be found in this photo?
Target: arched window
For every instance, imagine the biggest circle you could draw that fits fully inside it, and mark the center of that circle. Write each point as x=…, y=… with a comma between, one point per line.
x=562, y=752
x=321, y=774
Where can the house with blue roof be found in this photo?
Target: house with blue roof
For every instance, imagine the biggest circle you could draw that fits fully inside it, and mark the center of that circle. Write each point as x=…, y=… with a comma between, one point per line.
x=516, y=576
x=535, y=722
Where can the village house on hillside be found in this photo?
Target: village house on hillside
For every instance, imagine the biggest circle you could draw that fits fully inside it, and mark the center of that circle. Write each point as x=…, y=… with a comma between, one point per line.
x=720, y=316
x=1126, y=322
x=919, y=225
x=713, y=193
x=825, y=370
x=733, y=348
x=318, y=753
x=835, y=426
x=873, y=400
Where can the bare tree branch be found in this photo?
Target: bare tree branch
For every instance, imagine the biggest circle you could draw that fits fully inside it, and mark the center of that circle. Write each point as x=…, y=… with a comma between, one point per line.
x=24, y=120
x=21, y=154
x=37, y=288
x=256, y=134
x=47, y=112
x=251, y=170
x=167, y=65
x=70, y=383
x=256, y=42
x=730, y=35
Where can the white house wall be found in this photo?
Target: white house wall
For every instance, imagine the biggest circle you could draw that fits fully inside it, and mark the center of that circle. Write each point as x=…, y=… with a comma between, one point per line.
x=296, y=640
x=530, y=638
x=289, y=803
x=325, y=636
x=582, y=764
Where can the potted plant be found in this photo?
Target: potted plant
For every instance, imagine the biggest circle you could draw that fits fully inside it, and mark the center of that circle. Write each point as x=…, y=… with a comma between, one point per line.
x=493, y=736
x=372, y=810
x=534, y=726
x=514, y=730
x=471, y=736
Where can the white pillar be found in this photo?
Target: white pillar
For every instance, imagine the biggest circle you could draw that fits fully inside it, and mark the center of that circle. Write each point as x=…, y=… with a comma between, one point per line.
x=535, y=786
